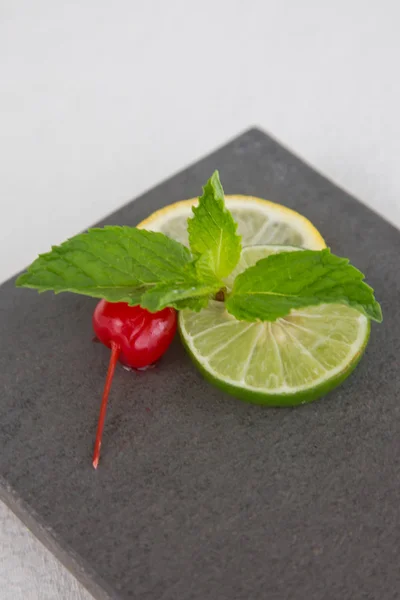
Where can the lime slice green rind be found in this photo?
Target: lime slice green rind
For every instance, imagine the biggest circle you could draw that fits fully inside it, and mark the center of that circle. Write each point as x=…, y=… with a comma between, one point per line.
x=279, y=400
x=291, y=361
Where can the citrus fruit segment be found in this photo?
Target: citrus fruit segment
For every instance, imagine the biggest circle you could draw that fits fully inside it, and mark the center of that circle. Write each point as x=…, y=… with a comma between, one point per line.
x=259, y=222
x=293, y=360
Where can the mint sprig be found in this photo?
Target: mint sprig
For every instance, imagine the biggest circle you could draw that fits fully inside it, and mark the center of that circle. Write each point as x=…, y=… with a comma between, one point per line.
x=126, y=264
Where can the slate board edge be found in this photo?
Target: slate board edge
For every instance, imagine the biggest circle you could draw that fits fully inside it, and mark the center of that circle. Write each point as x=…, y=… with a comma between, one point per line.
x=76, y=565
x=332, y=182
x=257, y=132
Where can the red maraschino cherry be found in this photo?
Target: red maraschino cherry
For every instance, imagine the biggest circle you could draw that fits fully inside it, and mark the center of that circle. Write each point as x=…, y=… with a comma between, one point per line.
x=137, y=338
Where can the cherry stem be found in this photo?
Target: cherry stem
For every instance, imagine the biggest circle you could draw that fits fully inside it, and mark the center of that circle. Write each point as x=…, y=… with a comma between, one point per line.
x=115, y=350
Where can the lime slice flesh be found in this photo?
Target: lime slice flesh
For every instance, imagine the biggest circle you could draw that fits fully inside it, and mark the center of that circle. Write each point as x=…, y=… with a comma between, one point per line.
x=291, y=361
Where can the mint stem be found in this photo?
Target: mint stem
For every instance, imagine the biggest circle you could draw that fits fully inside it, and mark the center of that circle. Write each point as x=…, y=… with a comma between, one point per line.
x=220, y=295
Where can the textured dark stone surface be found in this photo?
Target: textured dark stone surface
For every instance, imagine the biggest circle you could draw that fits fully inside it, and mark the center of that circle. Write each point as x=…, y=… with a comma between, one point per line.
x=198, y=496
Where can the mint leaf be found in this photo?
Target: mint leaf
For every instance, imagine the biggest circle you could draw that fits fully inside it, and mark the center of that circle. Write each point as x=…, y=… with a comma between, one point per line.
x=195, y=297
x=193, y=292
x=280, y=282
x=213, y=230
x=205, y=272
x=119, y=264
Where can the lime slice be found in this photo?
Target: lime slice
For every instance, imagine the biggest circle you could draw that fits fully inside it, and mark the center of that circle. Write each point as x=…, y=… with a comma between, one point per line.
x=259, y=222
x=293, y=360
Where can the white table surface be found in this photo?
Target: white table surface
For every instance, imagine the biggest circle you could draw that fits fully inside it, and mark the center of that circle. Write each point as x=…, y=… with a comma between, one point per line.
x=101, y=100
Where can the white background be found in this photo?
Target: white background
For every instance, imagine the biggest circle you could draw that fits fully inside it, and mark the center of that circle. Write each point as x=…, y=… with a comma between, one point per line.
x=101, y=100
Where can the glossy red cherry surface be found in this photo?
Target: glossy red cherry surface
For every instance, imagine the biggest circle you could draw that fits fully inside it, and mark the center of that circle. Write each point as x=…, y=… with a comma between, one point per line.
x=142, y=337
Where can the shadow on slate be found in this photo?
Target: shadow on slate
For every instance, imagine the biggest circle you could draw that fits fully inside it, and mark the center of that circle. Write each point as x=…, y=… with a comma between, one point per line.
x=199, y=496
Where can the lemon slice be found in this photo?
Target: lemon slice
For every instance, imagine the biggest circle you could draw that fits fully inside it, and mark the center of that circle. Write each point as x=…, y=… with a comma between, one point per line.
x=293, y=360
x=259, y=222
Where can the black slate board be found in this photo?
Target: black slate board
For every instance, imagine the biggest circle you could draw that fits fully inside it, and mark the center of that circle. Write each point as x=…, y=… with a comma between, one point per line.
x=199, y=496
